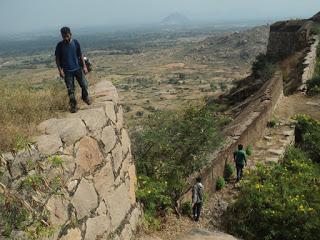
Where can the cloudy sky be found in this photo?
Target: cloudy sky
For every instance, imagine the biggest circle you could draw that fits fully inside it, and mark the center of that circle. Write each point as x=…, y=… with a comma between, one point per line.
x=27, y=15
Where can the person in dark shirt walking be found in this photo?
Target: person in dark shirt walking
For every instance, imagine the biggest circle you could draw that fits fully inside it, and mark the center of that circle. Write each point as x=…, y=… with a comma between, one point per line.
x=240, y=159
x=197, y=199
x=71, y=64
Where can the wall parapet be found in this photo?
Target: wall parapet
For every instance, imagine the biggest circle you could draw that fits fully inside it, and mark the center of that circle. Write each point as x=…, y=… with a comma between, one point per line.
x=89, y=152
x=246, y=129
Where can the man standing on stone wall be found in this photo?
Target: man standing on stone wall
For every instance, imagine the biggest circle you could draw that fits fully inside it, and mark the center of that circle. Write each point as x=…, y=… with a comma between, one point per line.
x=71, y=64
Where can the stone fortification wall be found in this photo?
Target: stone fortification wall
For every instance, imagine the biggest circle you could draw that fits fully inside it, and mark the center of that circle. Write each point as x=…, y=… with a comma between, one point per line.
x=287, y=37
x=89, y=155
x=246, y=129
x=310, y=63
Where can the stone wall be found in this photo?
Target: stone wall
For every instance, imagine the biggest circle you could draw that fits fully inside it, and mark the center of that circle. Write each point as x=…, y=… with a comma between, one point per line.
x=89, y=153
x=310, y=63
x=246, y=129
x=287, y=37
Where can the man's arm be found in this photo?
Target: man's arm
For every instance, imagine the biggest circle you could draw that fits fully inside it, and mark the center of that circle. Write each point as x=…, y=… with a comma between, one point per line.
x=79, y=53
x=85, y=70
x=61, y=72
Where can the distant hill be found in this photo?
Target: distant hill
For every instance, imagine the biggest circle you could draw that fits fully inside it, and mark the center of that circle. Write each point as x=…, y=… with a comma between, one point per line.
x=237, y=47
x=175, y=19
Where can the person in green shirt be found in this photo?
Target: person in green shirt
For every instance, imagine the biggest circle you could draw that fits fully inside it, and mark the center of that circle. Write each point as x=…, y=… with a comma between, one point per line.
x=240, y=159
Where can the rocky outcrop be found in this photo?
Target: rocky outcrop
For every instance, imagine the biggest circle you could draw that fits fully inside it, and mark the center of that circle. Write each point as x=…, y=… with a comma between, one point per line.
x=90, y=153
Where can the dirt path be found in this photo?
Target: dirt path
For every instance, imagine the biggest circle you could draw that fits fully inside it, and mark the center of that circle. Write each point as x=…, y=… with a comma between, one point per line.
x=270, y=148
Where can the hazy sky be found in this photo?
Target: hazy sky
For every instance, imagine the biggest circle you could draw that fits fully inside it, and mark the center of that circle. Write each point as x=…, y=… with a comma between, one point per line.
x=28, y=15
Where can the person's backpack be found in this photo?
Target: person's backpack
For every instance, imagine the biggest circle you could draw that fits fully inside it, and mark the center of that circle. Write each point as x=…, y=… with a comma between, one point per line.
x=88, y=64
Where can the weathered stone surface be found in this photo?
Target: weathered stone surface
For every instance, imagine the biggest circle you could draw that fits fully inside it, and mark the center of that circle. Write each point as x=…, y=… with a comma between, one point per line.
x=119, y=205
x=110, y=111
x=134, y=218
x=104, y=180
x=58, y=207
x=105, y=91
x=120, y=117
x=117, y=157
x=102, y=209
x=125, y=141
x=73, y=234
x=85, y=199
x=68, y=164
x=49, y=144
x=108, y=138
x=72, y=185
x=19, y=164
x=94, y=118
x=88, y=156
x=69, y=150
x=69, y=129
x=126, y=232
x=97, y=227
x=133, y=183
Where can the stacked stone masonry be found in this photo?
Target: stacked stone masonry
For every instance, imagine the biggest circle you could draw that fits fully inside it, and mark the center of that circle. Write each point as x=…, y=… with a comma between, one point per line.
x=97, y=200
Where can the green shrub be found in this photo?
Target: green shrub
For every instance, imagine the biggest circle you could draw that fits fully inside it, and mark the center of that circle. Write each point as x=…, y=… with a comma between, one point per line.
x=262, y=68
x=220, y=183
x=272, y=123
x=172, y=146
x=228, y=172
x=313, y=86
x=153, y=194
x=223, y=86
x=278, y=201
x=249, y=150
x=213, y=86
x=186, y=208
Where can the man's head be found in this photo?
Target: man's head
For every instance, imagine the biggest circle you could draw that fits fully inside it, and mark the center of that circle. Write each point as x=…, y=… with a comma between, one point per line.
x=198, y=179
x=240, y=147
x=66, y=33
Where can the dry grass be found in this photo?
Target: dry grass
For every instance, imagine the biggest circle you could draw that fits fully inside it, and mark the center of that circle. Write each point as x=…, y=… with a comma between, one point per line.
x=22, y=107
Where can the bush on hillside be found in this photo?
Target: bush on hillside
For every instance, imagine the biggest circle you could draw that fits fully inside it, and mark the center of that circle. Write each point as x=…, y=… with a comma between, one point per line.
x=308, y=136
x=220, y=184
x=262, y=68
x=229, y=171
x=171, y=146
x=313, y=86
x=278, y=201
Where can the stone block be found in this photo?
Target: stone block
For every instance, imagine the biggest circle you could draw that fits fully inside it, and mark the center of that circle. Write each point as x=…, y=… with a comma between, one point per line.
x=85, y=199
x=70, y=130
x=97, y=227
x=94, y=119
x=48, y=144
x=104, y=180
x=88, y=156
x=110, y=111
x=117, y=157
x=119, y=205
x=72, y=234
x=108, y=138
x=58, y=207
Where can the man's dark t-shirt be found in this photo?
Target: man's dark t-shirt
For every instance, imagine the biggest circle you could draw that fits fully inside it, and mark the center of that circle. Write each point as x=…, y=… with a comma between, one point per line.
x=69, y=54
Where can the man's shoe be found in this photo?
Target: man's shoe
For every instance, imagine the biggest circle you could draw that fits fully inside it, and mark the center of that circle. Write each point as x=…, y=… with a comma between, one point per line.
x=87, y=101
x=73, y=109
